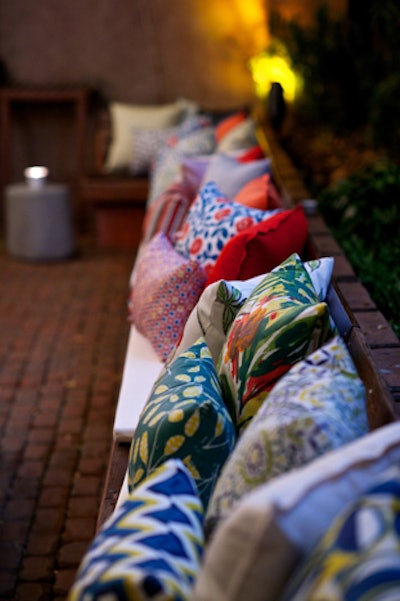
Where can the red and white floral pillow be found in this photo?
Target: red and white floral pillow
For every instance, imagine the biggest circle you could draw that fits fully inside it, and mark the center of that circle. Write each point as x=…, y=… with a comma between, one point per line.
x=211, y=222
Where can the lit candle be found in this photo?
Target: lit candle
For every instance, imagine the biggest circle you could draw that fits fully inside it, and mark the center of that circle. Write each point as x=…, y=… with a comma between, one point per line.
x=36, y=176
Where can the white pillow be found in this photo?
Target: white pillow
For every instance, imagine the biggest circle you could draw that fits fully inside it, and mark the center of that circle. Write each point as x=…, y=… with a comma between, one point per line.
x=125, y=116
x=255, y=551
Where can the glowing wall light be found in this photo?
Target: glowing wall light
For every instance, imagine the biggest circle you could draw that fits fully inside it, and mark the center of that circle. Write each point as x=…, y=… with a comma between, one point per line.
x=267, y=68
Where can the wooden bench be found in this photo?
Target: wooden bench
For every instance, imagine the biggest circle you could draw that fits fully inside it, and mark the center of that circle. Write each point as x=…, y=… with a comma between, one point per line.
x=372, y=343
x=117, y=205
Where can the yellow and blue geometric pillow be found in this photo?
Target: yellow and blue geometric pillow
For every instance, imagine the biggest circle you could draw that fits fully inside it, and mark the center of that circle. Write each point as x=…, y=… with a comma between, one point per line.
x=184, y=417
x=358, y=559
x=151, y=547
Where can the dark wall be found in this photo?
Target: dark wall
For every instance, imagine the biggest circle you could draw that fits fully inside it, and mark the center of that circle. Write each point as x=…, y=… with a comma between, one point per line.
x=134, y=50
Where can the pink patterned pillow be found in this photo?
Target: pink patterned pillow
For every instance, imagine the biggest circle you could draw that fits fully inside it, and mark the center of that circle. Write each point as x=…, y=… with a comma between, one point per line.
x=211, y=222
x=167, y=287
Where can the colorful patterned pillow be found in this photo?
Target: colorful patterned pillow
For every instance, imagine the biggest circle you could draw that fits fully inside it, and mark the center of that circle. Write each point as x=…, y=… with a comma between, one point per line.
x=212, y=220
x=185, y=418
x=167, y=168
x=146, y=143
x=319, y=405
x=166, y=288
x=359, y=556
x=280, y=324
x=277, y=526
x=151, y=547
x=167, y=213
x=261, y=247
x=212, y=316
x=220, y=302
x=230, y=175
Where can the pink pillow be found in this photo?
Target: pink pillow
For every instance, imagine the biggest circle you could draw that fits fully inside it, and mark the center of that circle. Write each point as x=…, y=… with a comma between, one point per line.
x=259, y=193
x=167, y=287
x=262, y=247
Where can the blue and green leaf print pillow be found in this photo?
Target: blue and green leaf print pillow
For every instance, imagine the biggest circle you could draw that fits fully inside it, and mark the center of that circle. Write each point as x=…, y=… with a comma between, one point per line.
x=281, y=322
x=150, y=547
x=185, y=417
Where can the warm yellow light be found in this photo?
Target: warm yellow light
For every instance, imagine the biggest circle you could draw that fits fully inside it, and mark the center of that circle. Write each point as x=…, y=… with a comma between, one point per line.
x=266, y=69
x=251, y=18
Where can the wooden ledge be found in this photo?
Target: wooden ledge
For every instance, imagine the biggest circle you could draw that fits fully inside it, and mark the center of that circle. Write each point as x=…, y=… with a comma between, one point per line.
x=111, y=189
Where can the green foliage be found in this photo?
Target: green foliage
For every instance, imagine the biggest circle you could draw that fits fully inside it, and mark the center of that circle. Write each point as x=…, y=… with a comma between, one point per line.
x=349, y=67
x=363, y=214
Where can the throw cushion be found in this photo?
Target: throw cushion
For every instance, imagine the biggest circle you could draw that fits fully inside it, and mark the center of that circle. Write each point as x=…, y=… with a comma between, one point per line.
x=281, y=322
x=230, y=175
x=254, y=552
x=262, y=247
x=212, y=220
x=167, y=213
x=150, y=547
x=260, y=193
x=168, y=166
x=212, y=316
x=185, y=418
x=193, y=169
x=317, y=406
x=241, y=137
x=146, y=143
x=166, y=288
x=252, y=154
x=228, y=123
x=220, y=302
x=359, y=556
x=125, y=116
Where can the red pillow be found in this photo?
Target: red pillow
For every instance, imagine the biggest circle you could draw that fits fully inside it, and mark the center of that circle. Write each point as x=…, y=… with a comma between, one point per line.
x=262, y=247
x=227, y=124
x=252, y=154
x=260, y=193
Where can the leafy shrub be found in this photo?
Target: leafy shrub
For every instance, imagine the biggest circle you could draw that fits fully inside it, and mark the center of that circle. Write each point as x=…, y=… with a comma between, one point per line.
x=363, y=214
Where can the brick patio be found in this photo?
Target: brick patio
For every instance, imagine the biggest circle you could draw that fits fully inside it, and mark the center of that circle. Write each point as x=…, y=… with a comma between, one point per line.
x=64, y=332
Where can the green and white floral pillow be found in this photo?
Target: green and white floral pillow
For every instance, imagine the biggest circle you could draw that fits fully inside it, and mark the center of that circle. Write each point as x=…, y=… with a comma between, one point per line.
x=281, y=322
x=220, y=302
x=319, y=405
x=185, y=418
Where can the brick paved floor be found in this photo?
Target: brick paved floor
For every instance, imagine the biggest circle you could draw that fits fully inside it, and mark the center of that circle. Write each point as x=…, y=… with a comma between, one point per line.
x=63, y=335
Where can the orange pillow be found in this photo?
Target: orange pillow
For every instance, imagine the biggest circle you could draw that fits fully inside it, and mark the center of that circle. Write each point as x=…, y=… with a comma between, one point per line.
x=227, y=124
x=259, y=193
x=261, y=247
